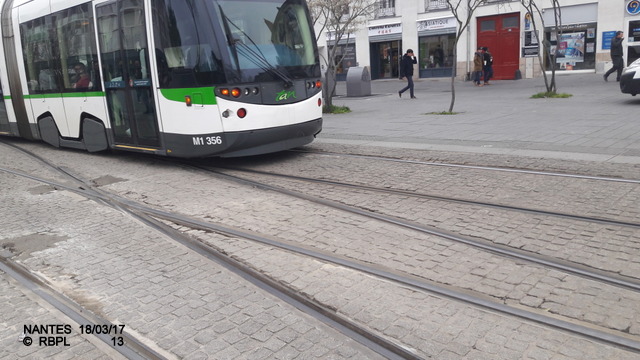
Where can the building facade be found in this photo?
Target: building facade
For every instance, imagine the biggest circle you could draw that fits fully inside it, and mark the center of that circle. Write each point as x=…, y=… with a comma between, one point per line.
x=429, y=28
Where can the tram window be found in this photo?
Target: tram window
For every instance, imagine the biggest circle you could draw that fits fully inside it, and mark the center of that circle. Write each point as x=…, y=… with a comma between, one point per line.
x=186, y=47
x=77, y=48
x=59, y=51
x=276, y=34
x=40, y=55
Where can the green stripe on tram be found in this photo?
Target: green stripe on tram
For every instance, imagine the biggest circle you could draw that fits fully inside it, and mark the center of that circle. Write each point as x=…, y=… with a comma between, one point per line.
x=62, y=95
x=202, y=96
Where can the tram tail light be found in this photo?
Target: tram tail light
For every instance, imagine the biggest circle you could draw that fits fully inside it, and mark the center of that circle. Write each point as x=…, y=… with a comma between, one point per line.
x=187, y=100
x=242, y=112
x=318, y=84
x=237, y=92
x=319, y=102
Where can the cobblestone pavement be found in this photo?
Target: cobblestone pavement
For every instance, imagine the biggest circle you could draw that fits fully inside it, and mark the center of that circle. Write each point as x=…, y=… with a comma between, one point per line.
x=596, y=123
x=436, y=327
x=20, y=308
x=187, y=307
x=168, y=296
x=597, y=245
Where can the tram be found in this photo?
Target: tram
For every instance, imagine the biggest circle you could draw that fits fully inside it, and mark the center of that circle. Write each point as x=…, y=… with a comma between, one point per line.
x=181, y=78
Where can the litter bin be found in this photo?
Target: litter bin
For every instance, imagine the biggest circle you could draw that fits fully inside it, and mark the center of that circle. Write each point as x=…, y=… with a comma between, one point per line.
x=358, y=82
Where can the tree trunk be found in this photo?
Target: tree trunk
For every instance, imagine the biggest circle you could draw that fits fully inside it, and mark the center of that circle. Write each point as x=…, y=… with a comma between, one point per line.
x=329, y=87
x=454, y=70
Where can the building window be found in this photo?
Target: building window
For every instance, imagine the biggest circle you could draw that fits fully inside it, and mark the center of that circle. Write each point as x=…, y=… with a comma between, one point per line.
x=435, y=58
x=345, y=58
x=433, y=5
x=575, y=49
x=510, y=22
x=387, y=8
x=488, y=25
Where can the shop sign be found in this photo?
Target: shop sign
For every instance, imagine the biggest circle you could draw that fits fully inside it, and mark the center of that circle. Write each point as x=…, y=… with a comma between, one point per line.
x=435, y=24
x=633, y=7
x=331, y=36
x=634, y=31
x=531, y=46
x=385, y=29
x=570, y=27
x=530, y=51
x=607, y=36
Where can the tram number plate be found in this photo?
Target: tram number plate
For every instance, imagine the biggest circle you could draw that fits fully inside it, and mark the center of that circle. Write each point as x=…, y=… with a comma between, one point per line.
x=207, y=140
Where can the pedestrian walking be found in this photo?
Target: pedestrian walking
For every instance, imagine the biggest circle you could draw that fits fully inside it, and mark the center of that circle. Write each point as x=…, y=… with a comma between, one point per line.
x=406, y=70
x=478, y=60
x=487, y=66
x=616, y=56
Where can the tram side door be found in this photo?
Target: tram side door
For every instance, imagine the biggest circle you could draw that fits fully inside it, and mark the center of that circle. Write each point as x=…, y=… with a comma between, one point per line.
x=126, y=73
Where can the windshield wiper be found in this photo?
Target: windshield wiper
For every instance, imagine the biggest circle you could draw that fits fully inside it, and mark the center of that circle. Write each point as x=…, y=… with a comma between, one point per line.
x=254, y=55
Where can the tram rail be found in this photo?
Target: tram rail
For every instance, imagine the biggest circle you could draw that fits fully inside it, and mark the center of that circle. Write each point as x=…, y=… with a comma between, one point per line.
x=605, y=335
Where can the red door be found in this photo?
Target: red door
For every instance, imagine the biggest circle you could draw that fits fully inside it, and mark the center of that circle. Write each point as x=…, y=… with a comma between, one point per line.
x=501, y=34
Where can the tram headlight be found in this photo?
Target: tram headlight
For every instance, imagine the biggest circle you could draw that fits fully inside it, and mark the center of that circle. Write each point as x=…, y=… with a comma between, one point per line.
x=255, y=91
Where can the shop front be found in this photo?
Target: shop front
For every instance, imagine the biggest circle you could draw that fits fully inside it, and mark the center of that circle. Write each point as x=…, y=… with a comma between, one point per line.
x=436, y=38
x=633, y=39
x=575, y=43
x=385, y=48
x=575, y=47
x=345, y=57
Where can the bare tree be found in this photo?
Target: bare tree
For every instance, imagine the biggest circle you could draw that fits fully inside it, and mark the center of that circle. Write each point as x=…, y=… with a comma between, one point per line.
x=462, y=11
x=547, y=50
x=341, y=19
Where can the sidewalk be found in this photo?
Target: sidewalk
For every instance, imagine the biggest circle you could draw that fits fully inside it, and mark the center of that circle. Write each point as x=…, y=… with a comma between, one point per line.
x=597, y=123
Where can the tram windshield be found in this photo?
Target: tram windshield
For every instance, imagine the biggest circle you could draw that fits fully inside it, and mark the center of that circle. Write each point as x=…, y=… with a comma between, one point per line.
x=201, y=43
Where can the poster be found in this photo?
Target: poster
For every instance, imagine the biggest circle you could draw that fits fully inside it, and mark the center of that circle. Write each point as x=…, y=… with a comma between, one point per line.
x=570, y=48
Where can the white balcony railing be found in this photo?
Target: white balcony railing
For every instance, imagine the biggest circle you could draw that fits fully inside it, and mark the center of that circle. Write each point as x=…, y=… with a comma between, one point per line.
x=433, y=5
x=385, y=12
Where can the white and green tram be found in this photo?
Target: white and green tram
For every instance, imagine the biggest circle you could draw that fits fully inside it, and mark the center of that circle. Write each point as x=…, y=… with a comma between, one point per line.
x=183, y=78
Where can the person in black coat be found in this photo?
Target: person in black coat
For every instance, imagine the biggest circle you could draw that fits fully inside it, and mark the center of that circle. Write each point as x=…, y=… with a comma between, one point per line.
x=487, y=66
x=406, y=70
x=616, y=56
